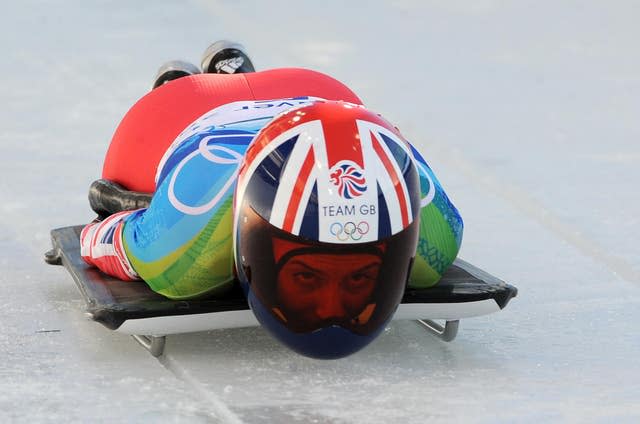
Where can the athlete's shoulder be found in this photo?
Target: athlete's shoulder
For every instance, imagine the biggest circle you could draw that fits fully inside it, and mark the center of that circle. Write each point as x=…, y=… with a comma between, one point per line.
x=231, y=120
x=249, y=115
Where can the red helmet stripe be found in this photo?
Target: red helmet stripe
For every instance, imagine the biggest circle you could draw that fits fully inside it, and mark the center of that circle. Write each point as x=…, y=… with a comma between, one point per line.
x=298, y=192
x=337, y=149
x=394, y=177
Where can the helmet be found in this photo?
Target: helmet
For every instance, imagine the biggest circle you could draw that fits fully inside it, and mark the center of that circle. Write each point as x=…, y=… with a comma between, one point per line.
x=326, y=214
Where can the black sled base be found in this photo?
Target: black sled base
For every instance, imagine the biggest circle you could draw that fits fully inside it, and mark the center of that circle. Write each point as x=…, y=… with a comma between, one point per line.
x=133, y=308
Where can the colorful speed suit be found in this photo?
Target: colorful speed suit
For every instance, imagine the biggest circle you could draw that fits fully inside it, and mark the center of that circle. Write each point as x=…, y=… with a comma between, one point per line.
x=181, y=246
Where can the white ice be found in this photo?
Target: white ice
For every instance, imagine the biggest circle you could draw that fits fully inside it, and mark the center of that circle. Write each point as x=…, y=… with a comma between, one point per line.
x=529, y=112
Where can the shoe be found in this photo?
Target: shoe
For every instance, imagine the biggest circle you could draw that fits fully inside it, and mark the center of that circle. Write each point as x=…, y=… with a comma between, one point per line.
x=107, y=197
x=226, y=57
x=173, y=70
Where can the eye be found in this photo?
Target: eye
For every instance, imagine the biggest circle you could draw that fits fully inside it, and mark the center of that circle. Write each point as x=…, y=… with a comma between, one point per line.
x=306, y=279
x=361, y=280
x=359, y=277
x=303, y=275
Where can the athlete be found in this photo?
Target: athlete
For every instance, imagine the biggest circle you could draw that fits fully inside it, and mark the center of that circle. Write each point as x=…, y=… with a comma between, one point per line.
x=284, y=181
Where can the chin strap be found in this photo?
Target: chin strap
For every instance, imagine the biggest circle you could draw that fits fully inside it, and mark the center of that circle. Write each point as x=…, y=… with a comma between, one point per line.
x=365, y=315
x=278, y=313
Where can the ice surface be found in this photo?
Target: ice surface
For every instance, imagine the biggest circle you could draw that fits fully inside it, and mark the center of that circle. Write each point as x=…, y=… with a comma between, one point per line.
x=527, y=111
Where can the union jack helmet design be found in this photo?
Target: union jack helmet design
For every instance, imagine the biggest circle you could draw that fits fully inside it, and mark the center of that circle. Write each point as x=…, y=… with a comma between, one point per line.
x=326, y=214
x=332, y=164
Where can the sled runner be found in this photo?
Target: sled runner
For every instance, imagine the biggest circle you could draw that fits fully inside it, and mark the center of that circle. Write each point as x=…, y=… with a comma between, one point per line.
x=133, y=308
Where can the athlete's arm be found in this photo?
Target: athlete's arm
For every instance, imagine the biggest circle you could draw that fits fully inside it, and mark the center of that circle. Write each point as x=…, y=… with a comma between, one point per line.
x=440, y=229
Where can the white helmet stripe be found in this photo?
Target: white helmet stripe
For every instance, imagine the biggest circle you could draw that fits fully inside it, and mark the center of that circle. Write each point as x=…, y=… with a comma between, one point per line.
x=405, y=192
x=249, y=171
x=306, y=140
x=387, y=185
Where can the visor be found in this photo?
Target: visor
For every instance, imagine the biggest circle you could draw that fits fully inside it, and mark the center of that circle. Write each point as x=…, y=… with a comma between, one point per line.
x=310, y=285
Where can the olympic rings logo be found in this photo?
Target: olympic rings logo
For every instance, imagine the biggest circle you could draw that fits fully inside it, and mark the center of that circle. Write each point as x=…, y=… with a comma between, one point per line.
x=229, y=157
x=350, y=230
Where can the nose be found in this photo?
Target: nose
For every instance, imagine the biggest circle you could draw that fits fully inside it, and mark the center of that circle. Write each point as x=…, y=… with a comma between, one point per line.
x=330, y=302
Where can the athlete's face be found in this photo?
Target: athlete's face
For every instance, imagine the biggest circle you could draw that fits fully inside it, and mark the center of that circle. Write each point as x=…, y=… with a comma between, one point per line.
x=317, y=290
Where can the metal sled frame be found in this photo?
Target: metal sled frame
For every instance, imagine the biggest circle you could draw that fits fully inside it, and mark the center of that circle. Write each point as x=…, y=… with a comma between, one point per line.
x=133, y=308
